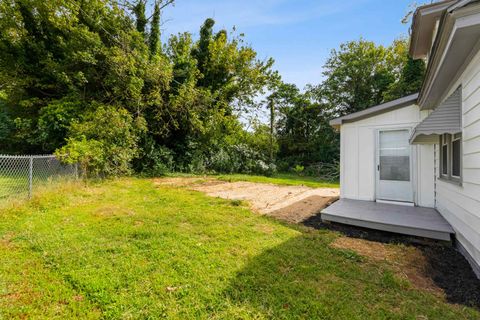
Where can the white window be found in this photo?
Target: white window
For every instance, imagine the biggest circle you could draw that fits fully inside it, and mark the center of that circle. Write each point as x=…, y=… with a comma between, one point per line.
x=451, y=157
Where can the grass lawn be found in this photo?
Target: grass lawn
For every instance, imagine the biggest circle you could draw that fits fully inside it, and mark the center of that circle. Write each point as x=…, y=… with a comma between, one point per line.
x=282, y=179
x=12, y=185
x=127, y=249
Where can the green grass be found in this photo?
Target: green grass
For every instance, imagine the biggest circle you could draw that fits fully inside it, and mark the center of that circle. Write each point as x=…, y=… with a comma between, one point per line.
x=11, y=185
x=282, y=179
x=126, y=249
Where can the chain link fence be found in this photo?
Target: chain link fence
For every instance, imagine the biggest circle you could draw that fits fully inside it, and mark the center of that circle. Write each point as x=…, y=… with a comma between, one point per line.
x=21, y=176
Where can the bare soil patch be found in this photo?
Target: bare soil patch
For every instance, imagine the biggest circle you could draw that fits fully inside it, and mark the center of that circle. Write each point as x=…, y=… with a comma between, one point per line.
x=289, y=203
x=408, y=262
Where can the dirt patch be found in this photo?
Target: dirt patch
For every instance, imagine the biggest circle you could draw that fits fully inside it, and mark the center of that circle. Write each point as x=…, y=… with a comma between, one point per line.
x=303, y=209
x=408, y=262
x=289, y=203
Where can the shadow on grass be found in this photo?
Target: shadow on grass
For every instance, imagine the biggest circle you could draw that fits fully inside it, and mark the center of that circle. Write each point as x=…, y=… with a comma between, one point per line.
x=448, y=269
x=305, y=278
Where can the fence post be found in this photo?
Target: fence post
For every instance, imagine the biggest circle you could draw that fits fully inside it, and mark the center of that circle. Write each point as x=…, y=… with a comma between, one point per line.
x=30, y=177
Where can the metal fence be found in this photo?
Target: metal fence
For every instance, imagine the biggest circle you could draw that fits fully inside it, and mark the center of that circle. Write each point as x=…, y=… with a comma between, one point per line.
x=21, y=176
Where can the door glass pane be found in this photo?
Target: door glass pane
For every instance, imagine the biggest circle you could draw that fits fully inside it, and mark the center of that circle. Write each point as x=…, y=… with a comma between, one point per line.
x=394, y=155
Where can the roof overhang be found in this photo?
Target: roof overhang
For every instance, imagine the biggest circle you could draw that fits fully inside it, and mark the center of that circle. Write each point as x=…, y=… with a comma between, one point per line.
x=446, y=118
x=424, y=24
x=370, y=112
x=454, y=48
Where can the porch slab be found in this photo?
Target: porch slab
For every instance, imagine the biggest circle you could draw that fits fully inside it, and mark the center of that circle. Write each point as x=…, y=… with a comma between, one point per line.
x=414, y=221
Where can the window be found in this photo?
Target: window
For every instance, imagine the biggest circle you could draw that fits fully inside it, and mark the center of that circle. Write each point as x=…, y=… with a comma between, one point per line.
x=445, y=155
x=456, y=157
x=451, y=157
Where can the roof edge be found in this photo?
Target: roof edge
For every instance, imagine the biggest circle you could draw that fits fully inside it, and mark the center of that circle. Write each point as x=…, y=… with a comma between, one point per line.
x=375, y=110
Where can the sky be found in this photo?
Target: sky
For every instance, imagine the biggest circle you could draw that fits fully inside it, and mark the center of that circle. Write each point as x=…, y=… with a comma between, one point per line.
x=298, y=34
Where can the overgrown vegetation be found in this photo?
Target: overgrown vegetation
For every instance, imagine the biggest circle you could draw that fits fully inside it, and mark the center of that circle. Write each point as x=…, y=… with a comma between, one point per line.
x=126, y=249
x=91, y=81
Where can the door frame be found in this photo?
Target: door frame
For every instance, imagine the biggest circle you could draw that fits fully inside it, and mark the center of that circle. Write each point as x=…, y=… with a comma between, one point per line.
x=413, y=162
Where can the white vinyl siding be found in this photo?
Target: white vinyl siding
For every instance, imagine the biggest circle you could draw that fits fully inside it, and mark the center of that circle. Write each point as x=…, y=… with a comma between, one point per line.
x=460, y=205
x=358, y=147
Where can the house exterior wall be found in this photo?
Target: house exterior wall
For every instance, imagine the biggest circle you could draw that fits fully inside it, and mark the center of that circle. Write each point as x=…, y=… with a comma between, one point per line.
x=358, y=156
x=460, y=204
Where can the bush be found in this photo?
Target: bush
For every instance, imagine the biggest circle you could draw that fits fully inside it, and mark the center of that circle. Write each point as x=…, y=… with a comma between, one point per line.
x=155, y=160
x=298, y=169
x=104, y=142
x=240, y=158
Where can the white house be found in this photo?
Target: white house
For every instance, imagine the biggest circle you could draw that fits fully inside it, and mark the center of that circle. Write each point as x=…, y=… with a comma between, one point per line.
x=422, y=151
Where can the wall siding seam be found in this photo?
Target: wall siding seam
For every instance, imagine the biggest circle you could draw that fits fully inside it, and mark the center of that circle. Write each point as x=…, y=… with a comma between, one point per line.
x=463, y=195
x=471, y=138
x=471, y=108
x=471, y=124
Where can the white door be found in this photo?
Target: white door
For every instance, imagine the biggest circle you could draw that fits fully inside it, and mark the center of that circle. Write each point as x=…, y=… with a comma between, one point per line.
x=394, y=177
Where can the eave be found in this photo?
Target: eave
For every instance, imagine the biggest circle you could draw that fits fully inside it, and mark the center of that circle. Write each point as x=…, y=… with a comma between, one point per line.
x=457, y=43
x=423, y=26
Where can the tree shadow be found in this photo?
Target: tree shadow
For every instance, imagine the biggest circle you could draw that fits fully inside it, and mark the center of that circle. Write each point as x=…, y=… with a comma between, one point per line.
x=446, y=267
x=306, y=278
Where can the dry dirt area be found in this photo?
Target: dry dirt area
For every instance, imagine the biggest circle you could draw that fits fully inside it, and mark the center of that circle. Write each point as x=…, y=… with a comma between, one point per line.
x=290, y=203
x=408, y=262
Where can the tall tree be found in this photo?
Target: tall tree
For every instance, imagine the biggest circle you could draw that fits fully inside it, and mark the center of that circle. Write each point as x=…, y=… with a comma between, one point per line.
x=201, y=52
x=358, y=75
x=154, y=38
x=141, y=19
x=411, y=80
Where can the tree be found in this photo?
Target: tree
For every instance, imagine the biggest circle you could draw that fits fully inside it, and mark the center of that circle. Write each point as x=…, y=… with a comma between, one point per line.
x=302, y=129
x=69, y=70
x=154, y=38
x=141, y=19
x=411, y=80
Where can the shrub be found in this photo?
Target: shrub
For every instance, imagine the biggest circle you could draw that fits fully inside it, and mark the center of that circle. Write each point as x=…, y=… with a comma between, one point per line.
x=298, y=169
x=155, y=160
x=240, y=158
x=105, y=141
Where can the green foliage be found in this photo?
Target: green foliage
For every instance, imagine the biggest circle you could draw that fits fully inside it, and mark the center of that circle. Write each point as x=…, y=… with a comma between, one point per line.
x=358, y=75
x=154, y=38
x=105, y=141
x=298, y=169
x=69, y=70
x=66, y=65
x=54, y=121
x=410, y=80
x=141, y=19
x=302, y=130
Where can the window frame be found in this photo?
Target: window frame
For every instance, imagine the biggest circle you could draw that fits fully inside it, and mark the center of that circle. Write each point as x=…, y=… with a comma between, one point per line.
x=446, y=140
x=454, y=138
x=444, y=143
